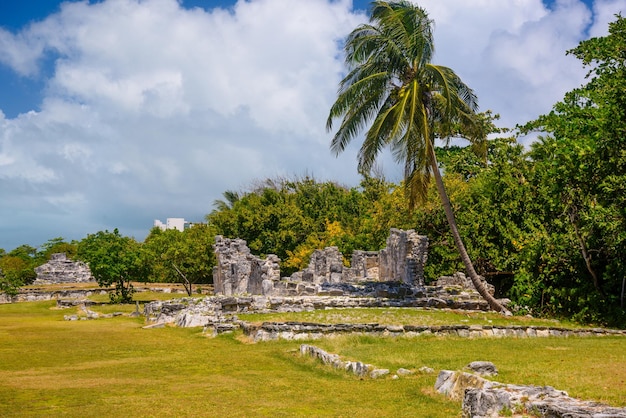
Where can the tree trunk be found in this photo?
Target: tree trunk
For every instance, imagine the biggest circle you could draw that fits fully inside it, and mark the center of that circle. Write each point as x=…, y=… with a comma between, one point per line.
x=186, y=283
x=469, y=267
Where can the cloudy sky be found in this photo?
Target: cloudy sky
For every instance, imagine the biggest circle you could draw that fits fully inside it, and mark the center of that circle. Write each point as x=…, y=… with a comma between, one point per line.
x=118, y=112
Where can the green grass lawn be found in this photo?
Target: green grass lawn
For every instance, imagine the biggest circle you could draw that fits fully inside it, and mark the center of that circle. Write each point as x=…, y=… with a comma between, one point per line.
x=112, y=367
x=403, y=316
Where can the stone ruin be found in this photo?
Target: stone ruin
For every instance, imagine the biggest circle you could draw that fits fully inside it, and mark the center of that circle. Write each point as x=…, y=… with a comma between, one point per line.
x=61, y=270
x=487, y=398
x=239, y=272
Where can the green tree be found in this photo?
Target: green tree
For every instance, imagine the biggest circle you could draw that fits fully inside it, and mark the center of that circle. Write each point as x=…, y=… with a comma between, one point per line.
x=11, y=281
x=580, y=168
x=57, y=245
x=408, y=101
x=18, y=266
x=114, y=259
x=181, y=257
x=292, y=218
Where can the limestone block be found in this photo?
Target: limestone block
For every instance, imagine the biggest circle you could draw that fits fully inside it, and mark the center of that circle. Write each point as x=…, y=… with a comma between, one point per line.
x=483, y=368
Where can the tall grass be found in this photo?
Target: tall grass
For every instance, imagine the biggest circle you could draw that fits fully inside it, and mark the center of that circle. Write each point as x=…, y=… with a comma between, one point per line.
x=113, y=367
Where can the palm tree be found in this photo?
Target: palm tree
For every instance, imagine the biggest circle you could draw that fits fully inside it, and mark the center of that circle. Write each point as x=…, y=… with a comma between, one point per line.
x=231, y=198
x=407, y=101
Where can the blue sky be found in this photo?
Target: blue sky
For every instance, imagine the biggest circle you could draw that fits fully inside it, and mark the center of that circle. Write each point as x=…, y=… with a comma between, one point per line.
x=116, y=113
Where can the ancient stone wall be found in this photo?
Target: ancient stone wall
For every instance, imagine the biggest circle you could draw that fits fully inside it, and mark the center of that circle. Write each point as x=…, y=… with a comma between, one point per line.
x=61, y=270
x=239, y=272
x=365, y=264
x=402, y=260
x=404, y=257
x=324, y=266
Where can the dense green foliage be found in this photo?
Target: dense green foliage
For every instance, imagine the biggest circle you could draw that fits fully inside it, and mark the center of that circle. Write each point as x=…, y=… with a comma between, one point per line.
x=114, y=259
x=180, y=256
x=580, y=175
x=293, y=218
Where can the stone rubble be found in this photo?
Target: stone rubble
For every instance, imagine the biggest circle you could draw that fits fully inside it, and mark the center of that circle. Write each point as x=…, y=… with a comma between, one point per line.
x=484, y=399
x=483, y=368
x=269, y=331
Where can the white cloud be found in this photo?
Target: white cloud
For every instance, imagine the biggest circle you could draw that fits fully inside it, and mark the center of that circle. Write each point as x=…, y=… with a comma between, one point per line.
x=605, y=11
x=152, y=110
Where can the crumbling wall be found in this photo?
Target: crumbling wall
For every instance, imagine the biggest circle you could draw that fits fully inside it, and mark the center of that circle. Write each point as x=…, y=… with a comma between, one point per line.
x=61, y=270
x=239, y=272
x=404, y=257
x=324, y=266
x=365, y=264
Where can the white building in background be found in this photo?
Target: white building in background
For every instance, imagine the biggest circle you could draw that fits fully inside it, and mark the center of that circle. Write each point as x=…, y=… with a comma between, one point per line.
x=171, y=223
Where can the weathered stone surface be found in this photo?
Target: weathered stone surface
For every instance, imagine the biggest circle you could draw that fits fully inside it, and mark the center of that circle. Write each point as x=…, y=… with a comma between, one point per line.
x=484, y=398
x=61, y=270
x=355, y=367
x=483, y=368
x=404, y=257
x=365, y=264
x=239, y=272
x=376, y=373
x=404, y=372
x=324, y=266
x=453, y=384
x=37, y=295
x=460, y=281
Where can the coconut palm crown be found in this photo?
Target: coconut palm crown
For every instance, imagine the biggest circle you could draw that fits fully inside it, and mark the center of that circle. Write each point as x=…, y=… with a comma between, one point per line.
x=404, y=102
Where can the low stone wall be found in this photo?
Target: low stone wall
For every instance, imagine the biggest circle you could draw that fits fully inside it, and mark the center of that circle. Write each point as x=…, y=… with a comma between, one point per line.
x=485, y=398
x=192, y=312
x=310, y=331
x=217, y=314
x=27, y=295
x=355, y=367
x=39, y=295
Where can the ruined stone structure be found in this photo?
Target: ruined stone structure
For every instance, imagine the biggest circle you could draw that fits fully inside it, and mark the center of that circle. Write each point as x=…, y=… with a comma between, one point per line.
x=239, y=272
x=404, y=257
x=61, y=270
x=365, y=264
x=486, y=398
x=325, y=266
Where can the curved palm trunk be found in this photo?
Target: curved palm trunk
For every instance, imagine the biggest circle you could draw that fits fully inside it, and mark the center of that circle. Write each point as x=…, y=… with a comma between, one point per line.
x=469, y=267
